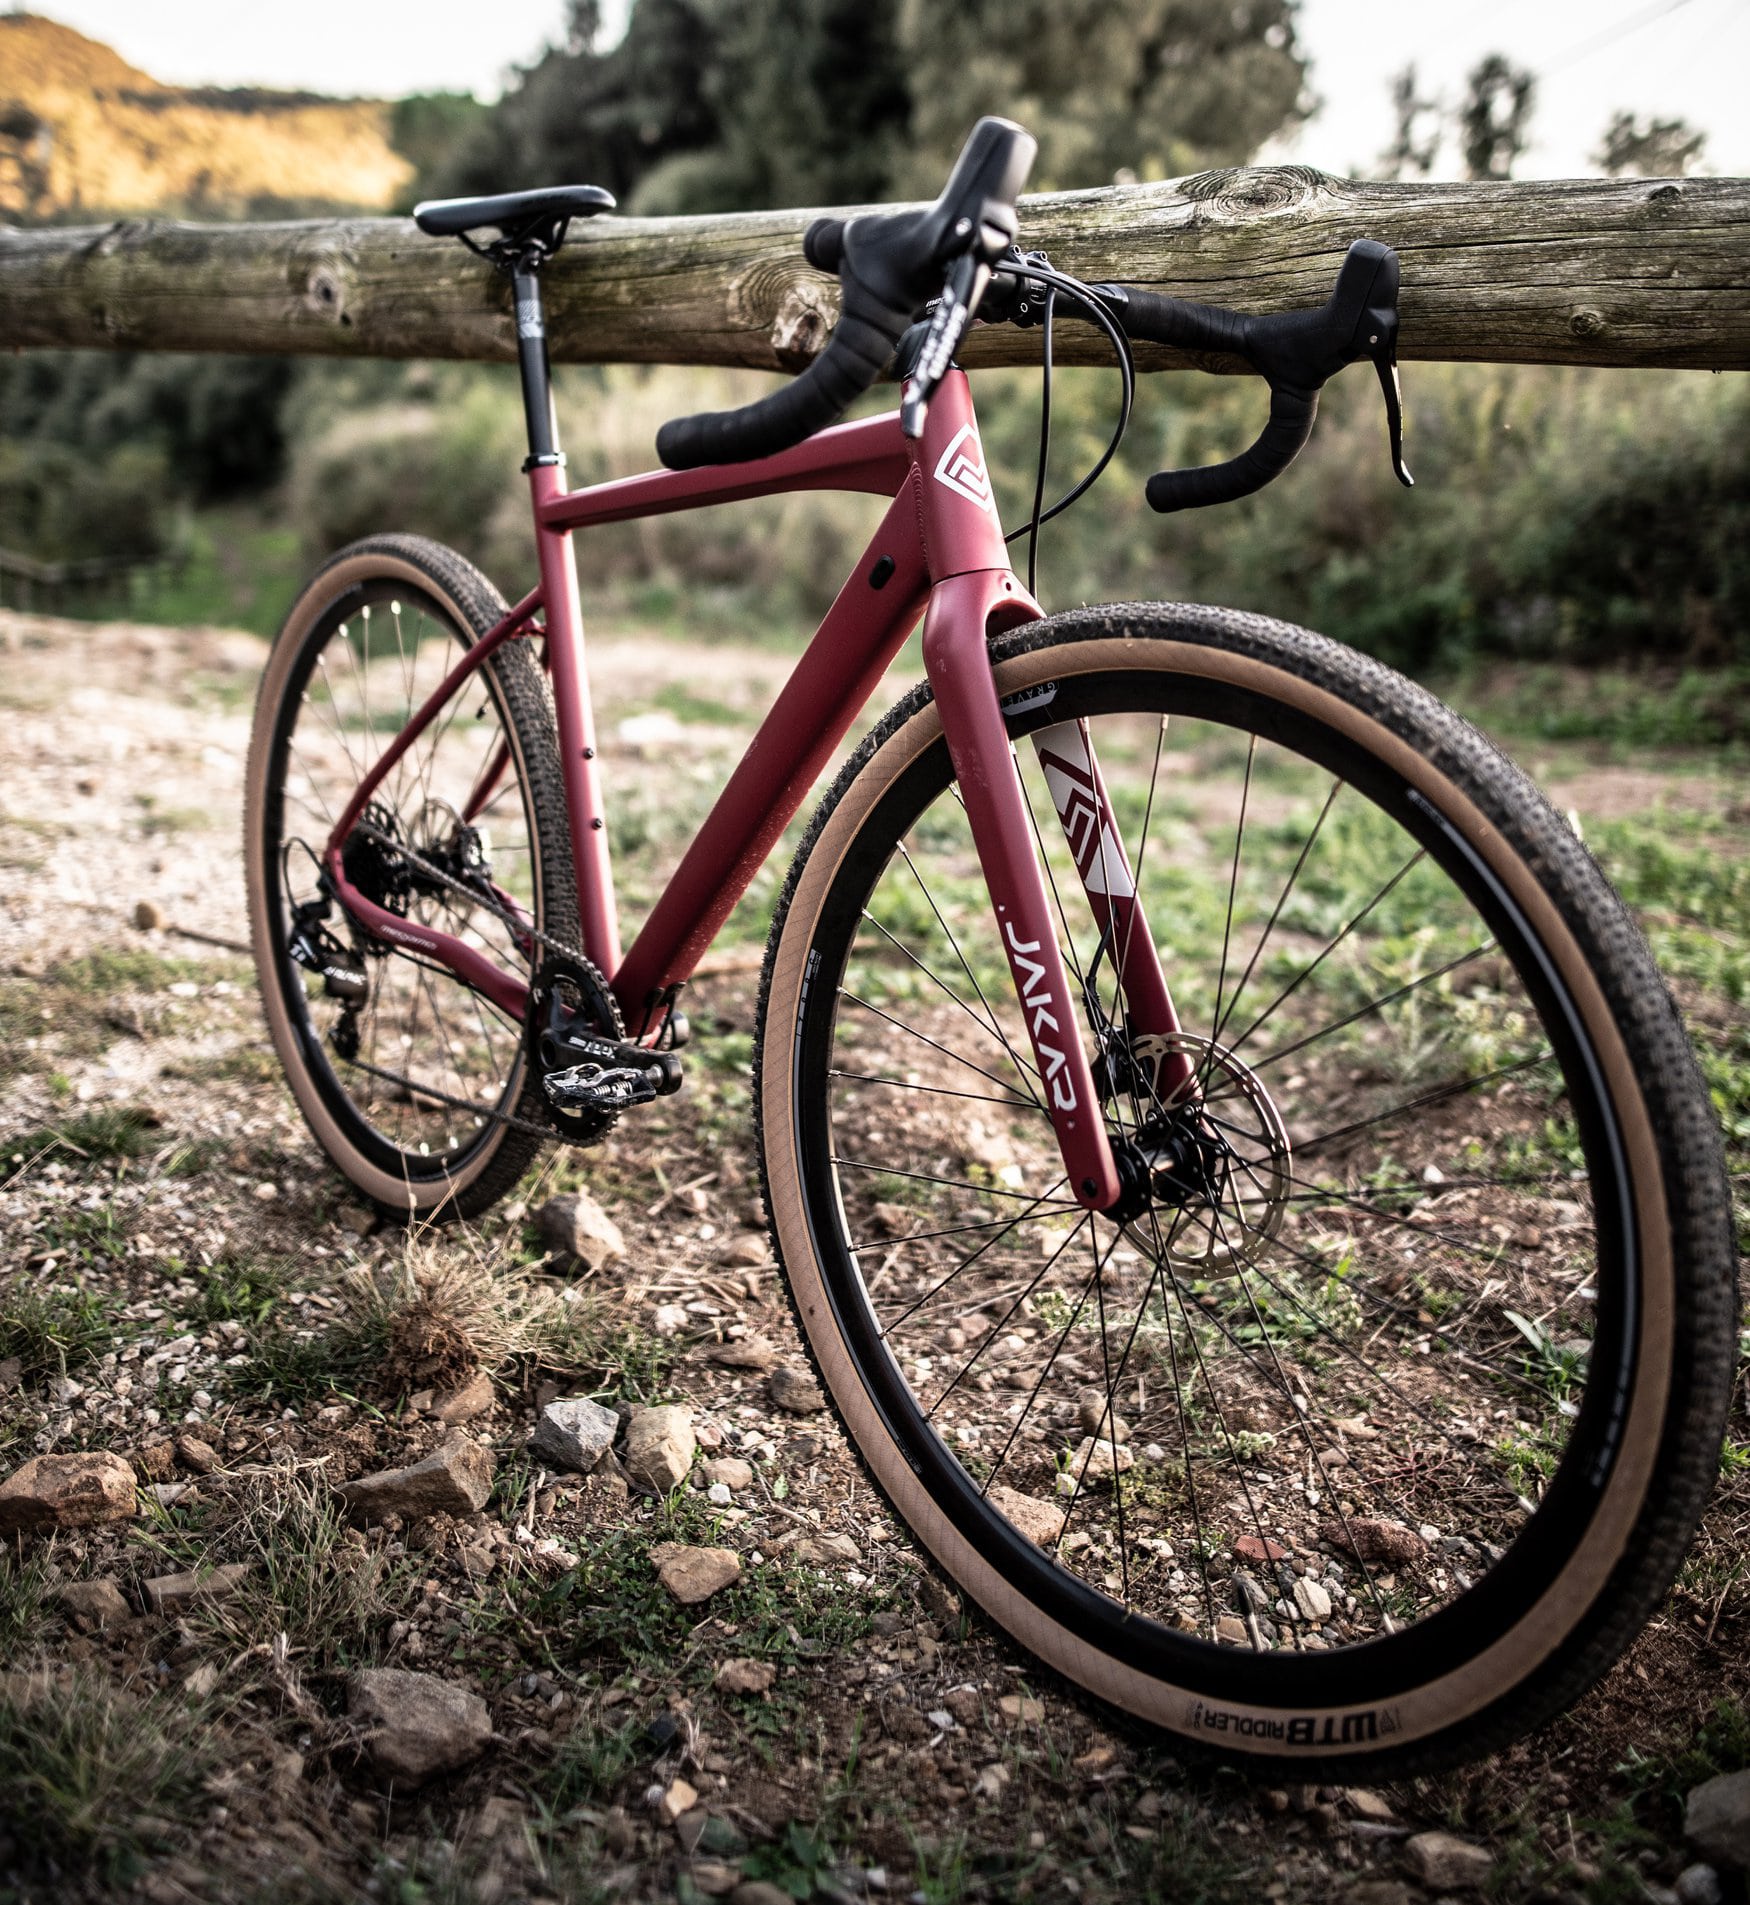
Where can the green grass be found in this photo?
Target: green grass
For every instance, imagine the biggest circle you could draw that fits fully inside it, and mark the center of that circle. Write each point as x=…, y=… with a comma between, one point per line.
x=109, y=1135
x=95, y=1779
x=53, y=1330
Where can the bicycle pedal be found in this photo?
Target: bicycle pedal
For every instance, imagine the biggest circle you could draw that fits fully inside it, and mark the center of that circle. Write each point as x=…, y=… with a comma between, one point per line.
x=610, y=1075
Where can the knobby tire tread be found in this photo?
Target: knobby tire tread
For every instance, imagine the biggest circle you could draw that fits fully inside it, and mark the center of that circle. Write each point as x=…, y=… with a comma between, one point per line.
x=1689, y=1143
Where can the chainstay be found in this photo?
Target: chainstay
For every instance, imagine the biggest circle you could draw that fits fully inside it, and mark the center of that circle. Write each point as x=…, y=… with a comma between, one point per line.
x=518, y=927
x=414, y=1087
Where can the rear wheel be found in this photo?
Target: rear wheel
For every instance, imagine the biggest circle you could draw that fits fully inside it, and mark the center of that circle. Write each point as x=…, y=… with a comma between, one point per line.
x=418, y=1088
x=1382, y=1425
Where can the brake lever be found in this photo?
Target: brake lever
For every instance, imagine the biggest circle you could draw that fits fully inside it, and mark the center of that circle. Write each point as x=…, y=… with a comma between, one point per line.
x=1379, y=328
x=965, y=284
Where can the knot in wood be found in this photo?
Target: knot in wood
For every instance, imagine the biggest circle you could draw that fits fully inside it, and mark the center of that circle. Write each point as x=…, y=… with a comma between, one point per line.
x=325, y=291
x=122, y=234
x=1665, y=195
x=1586, y=320
x=796, y=309
x=1247, y=192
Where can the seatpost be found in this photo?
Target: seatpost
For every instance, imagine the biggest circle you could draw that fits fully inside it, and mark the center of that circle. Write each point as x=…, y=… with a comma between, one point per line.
x=531, y=346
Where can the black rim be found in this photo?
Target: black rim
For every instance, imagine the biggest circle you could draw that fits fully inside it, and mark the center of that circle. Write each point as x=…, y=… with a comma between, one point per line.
x=1375, y=1668
x=384, y=682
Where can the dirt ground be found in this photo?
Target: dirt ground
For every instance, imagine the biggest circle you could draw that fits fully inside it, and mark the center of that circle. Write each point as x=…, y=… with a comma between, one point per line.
x=182, y=1278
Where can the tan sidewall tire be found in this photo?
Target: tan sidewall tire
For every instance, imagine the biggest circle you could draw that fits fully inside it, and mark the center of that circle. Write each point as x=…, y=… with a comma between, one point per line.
x=1447, y=1699
x=392, y=1193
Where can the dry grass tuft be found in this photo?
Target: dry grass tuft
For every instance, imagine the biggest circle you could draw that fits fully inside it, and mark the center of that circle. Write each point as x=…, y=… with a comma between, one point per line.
x=448, y=1311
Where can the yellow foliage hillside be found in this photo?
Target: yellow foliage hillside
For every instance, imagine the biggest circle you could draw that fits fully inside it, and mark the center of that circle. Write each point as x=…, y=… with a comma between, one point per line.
x=82, y=129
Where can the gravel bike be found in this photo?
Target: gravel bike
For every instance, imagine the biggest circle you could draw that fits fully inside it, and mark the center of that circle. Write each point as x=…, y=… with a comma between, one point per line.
x=1242, y=1182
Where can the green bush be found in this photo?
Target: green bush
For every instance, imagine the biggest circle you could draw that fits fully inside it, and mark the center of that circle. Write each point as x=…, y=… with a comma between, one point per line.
x=57, y=503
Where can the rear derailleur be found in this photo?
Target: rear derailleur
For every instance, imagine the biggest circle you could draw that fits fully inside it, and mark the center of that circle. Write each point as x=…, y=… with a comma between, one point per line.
x=340, y=969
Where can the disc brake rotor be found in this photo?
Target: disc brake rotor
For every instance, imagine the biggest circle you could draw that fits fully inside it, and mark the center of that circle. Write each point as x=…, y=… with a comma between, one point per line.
x=1220, y=1215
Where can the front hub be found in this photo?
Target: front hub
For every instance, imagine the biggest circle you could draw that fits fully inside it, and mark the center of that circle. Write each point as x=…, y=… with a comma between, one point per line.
x=1206, y=1189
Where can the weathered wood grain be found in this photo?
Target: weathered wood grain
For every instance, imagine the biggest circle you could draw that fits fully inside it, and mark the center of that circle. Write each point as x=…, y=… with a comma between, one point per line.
x=1582, y=271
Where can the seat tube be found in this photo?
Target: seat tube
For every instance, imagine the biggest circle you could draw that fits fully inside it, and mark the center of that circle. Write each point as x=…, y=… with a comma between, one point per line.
x=573, y=716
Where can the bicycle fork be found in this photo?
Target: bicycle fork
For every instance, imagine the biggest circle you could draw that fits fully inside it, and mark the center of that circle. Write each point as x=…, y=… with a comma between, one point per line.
x=957, y=661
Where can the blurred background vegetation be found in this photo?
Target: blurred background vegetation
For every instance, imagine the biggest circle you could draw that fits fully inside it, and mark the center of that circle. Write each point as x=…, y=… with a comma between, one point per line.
x=1561, y=516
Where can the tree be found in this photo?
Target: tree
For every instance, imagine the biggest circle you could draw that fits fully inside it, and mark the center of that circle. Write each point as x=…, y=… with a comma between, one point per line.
x=1411, y=151
x=578, y=115
x=1494, y=121
x=1649, y=148
x=1152, y=87
x=714, y=104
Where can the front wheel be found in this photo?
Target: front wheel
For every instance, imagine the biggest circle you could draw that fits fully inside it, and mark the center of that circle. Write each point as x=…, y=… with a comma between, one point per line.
x=1379, y=1430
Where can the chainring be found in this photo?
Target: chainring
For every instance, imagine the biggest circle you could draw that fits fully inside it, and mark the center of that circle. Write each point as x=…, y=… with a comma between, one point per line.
x=571, y=989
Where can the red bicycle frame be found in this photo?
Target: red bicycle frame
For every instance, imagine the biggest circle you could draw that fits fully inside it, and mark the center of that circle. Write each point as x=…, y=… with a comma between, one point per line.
x=938, y=551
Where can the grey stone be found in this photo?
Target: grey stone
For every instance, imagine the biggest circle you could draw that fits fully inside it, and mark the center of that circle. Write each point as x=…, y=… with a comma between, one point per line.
x=416, y=1725
x=1097, y=1418
x=93, y=1603
x=660, y=1446
x=66, y=1491
x=1312, y=1600
x=171, y=1593
x=1716, y=1820
x=453, y=1480
x=1443, y=1862
x=576, y=1227
x=1250, y=1594
x=795, y=1391
x=1698, y=1885
x=574, y=1433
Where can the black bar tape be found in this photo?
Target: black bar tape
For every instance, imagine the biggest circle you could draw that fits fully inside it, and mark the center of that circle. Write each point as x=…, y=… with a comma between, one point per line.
x=855, y=356
x=1291, y=422
x=1180, y=325
x=823, y=244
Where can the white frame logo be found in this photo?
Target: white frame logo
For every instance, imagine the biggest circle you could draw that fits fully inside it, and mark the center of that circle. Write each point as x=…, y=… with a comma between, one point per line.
x=963, y=472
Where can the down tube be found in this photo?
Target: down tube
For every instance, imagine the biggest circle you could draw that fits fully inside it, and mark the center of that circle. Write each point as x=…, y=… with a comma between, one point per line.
x=862, y=632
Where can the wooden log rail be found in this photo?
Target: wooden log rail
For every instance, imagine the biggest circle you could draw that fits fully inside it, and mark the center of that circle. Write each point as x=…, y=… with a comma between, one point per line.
x=1579, y=271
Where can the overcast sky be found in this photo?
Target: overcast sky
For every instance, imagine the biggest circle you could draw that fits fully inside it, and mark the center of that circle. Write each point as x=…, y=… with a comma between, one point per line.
x=1673, y=58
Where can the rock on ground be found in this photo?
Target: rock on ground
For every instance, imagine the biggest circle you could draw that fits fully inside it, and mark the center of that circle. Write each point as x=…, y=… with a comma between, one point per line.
x=417, y=1725
x=66, y=1491
x=1716, y=1820
x=795, y=1390
x=576, y=1227
x=473, y=1399
x=93, y=1603
x=660, y=1446
x=574, y=1433
x=171, y=1593
x=1698, y=1885
x=452, y=1480
x=1371, y=1540
x=692, y=1575
x=825, y=1550
x=730, y=1470
x=1037, y=1520
x=745, y=1352
x=194, y=1454
x=744, y=1676
x=1095, y=1414
x=1443, y=1862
